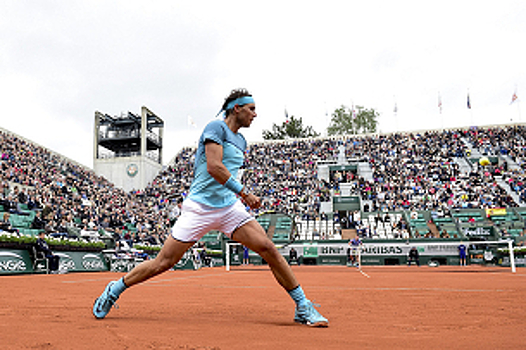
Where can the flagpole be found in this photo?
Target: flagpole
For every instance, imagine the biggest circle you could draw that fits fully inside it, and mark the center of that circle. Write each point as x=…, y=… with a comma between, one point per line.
x=470, y=109
x=519, y=109
x=395, y=112
x=440, y=110
x=327, y=119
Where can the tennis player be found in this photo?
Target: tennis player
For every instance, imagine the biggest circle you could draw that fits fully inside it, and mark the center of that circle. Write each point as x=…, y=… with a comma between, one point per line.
x=213, y=204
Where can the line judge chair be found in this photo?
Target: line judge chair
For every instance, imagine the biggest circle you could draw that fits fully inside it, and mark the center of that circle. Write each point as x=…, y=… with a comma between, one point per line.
x=40, y=262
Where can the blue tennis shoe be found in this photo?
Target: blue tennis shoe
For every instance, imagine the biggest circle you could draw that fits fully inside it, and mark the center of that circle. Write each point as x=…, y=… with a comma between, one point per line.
x=103, y=304
x=308, y=315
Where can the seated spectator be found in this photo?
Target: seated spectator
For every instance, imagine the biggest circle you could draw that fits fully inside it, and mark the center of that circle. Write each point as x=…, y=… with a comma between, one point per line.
x=60, y=230
x=293, y=256
x=413, y=257
x=126, y=236
x=71, y=228
x=89, y=230
x=50, y=227
x=12, y=205
x=105, y=226
x=38, y=223
x=43, y=247
x=5, y=224
x=20, y=195
x=32, y=201
x=122, y=250
x=47, y=212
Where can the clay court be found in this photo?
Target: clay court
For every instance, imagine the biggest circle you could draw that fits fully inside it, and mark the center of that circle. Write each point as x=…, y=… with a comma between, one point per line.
x=396, y=308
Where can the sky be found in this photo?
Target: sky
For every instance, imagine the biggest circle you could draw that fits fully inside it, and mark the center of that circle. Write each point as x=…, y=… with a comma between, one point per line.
x=60, y=61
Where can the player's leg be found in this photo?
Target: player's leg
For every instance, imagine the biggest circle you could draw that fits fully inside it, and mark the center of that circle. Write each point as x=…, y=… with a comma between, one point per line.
x=171, y=252
x=169, y=255
x=252, y=235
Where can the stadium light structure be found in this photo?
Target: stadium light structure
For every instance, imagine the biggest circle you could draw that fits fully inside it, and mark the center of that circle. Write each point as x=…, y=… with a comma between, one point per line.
x=127, y=149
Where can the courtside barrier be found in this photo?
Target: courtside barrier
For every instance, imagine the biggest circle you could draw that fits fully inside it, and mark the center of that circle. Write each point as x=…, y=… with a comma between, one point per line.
x=17, y=261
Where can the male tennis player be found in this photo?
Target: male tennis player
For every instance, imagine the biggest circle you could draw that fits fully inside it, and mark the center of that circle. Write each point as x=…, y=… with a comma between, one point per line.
x=213, y=205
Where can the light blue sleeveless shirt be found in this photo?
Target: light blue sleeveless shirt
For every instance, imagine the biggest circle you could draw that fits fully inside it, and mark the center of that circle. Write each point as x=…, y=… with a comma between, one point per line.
x=205, y=189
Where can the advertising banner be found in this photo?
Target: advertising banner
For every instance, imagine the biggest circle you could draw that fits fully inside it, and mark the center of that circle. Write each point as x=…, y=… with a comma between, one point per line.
x=19, y=261
x=81, y=261
x=326, y=249
x=480, y=231
x=15, y=261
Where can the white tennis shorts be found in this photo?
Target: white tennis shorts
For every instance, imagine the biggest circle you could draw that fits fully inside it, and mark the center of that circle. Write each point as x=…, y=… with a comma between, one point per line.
x=198, y=219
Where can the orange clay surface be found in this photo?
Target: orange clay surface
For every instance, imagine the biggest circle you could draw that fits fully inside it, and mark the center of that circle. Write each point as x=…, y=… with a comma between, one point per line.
x=396, y=308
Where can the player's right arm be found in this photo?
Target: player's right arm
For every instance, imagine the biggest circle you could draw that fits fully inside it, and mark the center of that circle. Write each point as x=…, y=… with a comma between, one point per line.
x=216, y=169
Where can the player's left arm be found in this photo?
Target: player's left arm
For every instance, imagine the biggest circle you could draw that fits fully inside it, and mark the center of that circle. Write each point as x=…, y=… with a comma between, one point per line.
x=216, y=169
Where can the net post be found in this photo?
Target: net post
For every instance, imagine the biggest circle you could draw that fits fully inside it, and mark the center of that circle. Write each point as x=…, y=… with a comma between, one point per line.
x=227, y=257
x=359, y=257
x=512, y=256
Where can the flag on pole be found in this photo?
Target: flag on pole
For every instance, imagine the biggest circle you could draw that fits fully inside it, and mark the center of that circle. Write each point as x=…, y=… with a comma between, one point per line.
x=513, y=98
x=469, y=102
x=395, y=110
x=191, y=122
x=286, y=117
x=439, y=103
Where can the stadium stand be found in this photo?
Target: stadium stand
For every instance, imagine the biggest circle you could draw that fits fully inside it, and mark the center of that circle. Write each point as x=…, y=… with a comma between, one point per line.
x=72, y=200
x=434, y=174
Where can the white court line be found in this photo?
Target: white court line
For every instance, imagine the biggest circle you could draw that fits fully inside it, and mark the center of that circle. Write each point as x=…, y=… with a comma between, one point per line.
x=334, y=288
x=382, y=289
x=417, y=289
x=363, y=273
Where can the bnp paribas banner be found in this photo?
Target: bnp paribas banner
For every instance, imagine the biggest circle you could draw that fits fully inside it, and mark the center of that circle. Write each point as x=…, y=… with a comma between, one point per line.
x=14, y=261
x=371, y=249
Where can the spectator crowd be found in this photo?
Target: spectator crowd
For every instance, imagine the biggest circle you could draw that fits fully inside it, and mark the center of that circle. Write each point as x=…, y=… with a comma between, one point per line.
x=410, y=171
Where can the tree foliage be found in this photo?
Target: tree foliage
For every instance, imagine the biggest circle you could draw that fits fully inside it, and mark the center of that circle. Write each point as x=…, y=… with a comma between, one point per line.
x=343, y=122
x=290, y=128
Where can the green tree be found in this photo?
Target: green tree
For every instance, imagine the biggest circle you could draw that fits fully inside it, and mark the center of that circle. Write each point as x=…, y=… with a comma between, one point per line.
x=291, y=128
x=343, y=122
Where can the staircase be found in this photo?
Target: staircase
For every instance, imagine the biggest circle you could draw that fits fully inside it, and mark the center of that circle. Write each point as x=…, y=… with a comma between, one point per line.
x=475, y=153
x=508, y=190
x=512, y=165
x=365, y=171
x=463, y=165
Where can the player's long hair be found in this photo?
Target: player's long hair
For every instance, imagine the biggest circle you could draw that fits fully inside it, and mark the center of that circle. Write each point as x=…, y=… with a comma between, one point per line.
x=237, y=93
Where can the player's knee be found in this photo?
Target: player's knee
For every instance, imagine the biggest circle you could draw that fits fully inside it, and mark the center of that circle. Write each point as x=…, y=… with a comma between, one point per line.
x=267, y=250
